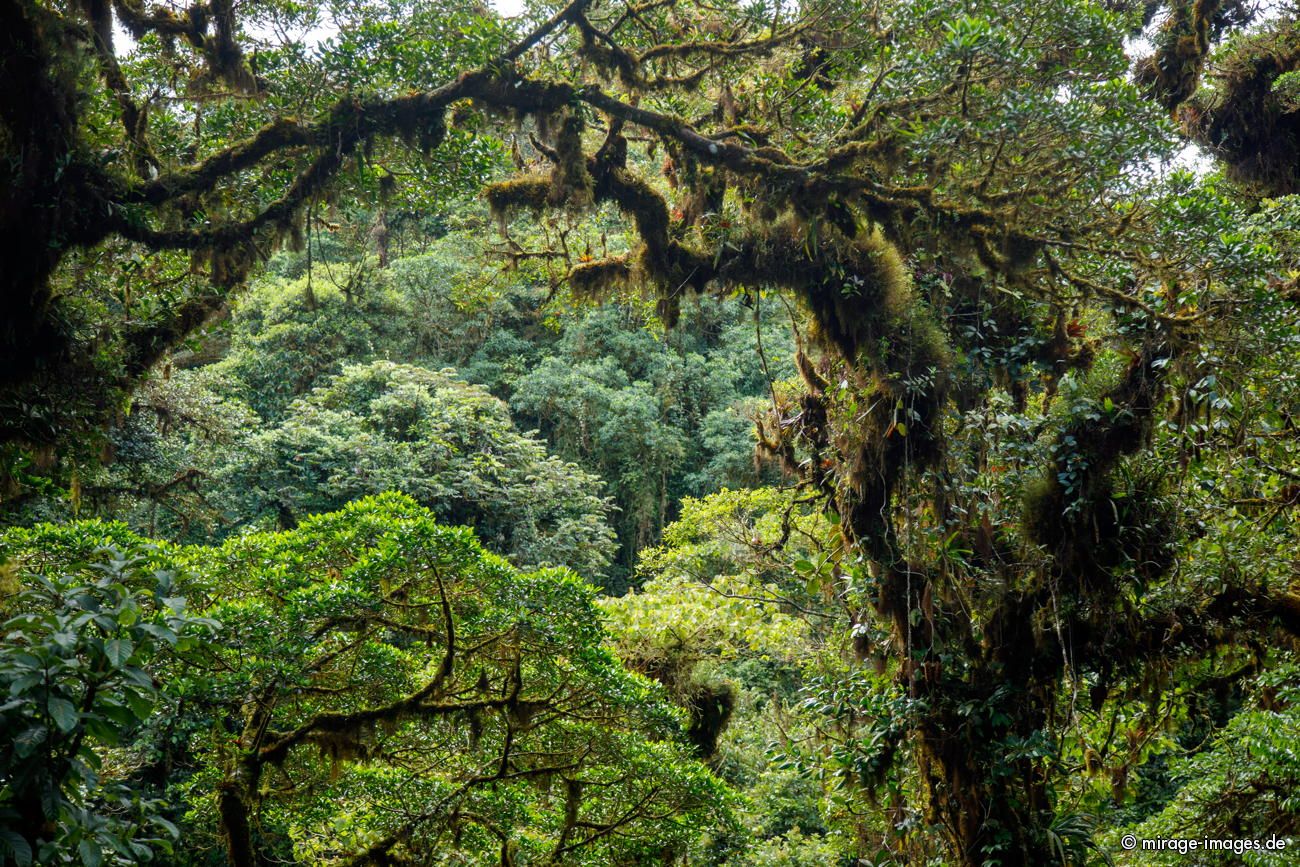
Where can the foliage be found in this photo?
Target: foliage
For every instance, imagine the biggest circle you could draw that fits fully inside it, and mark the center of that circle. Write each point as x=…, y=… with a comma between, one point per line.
x=194, y=457
x=381, y=686
x=1035, y=561
x=385, y=426
x=1239, y=786
x=659, y=417
x=283, y=343
x=79, y=674
x=1248, y=114
x=721, y=607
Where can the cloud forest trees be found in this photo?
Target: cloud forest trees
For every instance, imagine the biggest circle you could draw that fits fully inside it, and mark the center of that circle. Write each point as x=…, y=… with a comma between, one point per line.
x=1012, y=328
x=237, y=431
x=276, y=129
x=658, y=421
x=385, y=426
x=379, y=690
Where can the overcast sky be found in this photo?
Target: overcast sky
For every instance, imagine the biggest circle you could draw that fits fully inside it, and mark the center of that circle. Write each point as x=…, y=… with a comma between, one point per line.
x=123, y=44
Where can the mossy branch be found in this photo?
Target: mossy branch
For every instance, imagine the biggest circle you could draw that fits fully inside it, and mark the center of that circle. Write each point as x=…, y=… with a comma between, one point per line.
x=417, y=704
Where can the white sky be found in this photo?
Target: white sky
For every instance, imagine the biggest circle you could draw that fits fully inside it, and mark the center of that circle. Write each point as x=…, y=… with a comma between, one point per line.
x=123, y=44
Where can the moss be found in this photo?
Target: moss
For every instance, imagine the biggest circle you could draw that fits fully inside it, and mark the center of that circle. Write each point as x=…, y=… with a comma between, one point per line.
x=1124, y=528
x=1171, y=73
x=710, y=706
x=853, y=287
x=571, y=183
x=1019, y=253
x=1244, y=119
x=1043, y=508
x=859, y=294
x=597, y=280
x=668, y=309
x=527, y=193
x=1110, y=517
x=464, y=115
x=705, y=194
x=227, y=267
x=1147, y=526
x=295, y=236
x=643, y=204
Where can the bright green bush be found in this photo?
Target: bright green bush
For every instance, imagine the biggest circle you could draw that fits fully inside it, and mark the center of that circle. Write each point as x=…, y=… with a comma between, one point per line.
x=379, y=684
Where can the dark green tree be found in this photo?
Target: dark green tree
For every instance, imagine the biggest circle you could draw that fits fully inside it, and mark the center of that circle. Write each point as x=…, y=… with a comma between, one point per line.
x=448, y=444
x=80, y=666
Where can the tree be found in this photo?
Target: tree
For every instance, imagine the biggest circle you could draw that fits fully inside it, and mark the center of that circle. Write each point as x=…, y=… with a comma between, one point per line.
x=747, y=598
x=79, y=672
x=1232, y=92
x=990, y=596
x=1242, y=783
x=659, y=416
x=283, y=344
x=384, y=426
x=731, y=615
x=383, y=689
x=682, y=426
x=692, y=613
x=1001, y=301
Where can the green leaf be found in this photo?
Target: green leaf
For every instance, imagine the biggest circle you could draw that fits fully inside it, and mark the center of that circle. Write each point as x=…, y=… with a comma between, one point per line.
x=27, y=742
x=64, y=714
x=103, y=731
x=24, y=683
x=90, y=854
x=803, y=566
x=118, y=651
x=161, y=632
x=141, y=705
x=16, y=846
x=23, y=660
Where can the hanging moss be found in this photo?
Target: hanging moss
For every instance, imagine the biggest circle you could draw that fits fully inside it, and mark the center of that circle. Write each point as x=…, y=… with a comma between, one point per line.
x=507, y=198
x=1044, y=508
x=1245, y=119
x=600, y=279
x=705, y=195
x=1123, y=527
x=710, y=706
x=465, y=115
x=571, y=183
x=668, y=309
x=1093, y=518
x=863, y=304
x=1172, y=71
x=855, y=288
x=643, y=204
